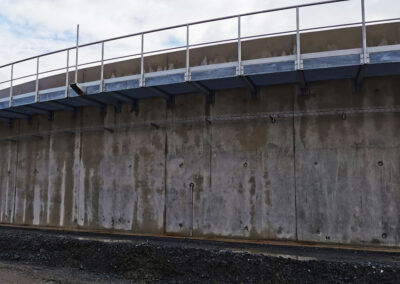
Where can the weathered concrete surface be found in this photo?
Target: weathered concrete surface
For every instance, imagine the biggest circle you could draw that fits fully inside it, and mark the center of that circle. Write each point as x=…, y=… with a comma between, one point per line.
x=121, y=177
x=45, y=173
x=307, y=179
x=251, y=169
x=313, y=178
x=8, y=158
x=347, y=171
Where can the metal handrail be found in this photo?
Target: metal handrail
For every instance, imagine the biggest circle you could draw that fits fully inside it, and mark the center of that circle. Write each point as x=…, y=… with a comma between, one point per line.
x=208, y=43
x=175, y=27
x=187, y=46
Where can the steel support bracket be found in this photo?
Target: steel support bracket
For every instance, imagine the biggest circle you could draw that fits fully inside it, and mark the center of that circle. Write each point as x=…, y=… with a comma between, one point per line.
x=63, y=106
x=210, y=94
x=114, y=102
x=122, y=97
x=93, y=102
x=4, y=119
x=81, y=91
x=304, y=86
x=358, y=81
x=118, y=106
x=15, y=114
x=254, y=90
x=38, y=110
x=135, y=105
x=160, y=93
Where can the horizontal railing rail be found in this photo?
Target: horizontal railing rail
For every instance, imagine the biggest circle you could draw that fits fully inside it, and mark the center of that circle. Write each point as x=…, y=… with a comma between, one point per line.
x=68, y=68
x=177, y=26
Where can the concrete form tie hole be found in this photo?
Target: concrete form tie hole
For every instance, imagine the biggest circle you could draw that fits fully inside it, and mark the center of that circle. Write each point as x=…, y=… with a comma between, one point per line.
x=245, y=164
x=380, y=163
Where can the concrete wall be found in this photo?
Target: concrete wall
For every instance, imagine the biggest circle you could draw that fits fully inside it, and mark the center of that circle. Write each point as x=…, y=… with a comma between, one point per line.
x=308, y=178
x=311, y=178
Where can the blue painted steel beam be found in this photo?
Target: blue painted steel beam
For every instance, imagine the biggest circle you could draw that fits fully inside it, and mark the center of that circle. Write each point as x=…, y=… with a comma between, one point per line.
x=13, y=114
x=61, y=106
x=4, y=119
x=35, y=109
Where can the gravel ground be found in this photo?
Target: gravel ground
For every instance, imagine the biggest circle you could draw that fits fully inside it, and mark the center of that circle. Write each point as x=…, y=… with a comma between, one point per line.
x=149, y=260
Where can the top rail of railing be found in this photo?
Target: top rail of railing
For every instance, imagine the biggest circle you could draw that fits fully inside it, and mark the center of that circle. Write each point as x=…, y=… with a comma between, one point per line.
x=179, y=26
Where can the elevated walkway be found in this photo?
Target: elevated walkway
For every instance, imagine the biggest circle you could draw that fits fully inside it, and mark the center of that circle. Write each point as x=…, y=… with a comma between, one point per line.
x=241, y=63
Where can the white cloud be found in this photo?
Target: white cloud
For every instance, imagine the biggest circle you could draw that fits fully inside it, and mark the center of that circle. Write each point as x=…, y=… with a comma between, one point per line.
x=32, y=27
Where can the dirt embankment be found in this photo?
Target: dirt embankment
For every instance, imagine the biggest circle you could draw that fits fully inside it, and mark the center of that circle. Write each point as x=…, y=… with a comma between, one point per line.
x=158, y=261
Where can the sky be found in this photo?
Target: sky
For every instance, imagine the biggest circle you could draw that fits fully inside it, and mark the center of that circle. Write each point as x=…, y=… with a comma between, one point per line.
x=31, y=27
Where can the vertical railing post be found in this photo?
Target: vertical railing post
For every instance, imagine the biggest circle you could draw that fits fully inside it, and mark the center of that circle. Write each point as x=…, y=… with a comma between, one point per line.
x=102, y=69
x=142, y=82
x=187, y=75
x=37, y=81
x=298, y=50
x=11, y=86
x=365, y=58
x=67, y=77
x=76, y=57
x=239, y=71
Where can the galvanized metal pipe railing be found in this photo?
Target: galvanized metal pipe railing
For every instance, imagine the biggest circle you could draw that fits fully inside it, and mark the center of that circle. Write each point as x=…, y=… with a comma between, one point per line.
x=208, y=43
x=11, y=85
x=102, y=68
x=37, y=81
x=142, y=62
x=67, y=76
x=182, y=25
x=187, y=73
x=298, y=50
x=187, y=46
x=240, y=69
x=364, y=34
x=211, y=42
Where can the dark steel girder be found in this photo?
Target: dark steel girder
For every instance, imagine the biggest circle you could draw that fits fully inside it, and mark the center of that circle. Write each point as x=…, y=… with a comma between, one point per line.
x=160, y=93
x=210, y=94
